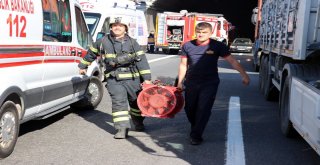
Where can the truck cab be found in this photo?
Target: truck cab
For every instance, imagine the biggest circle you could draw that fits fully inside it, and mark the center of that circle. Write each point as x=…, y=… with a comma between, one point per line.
x=174, y=29
x=41, y=45
x=170, y=31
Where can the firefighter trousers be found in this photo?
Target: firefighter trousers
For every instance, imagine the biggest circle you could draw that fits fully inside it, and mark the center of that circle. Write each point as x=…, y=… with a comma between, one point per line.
x=124, y=93
x=199, y=99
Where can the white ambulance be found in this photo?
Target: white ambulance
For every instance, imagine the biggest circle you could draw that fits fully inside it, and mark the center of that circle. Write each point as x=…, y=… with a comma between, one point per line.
x=98, y=13
x=41, y=44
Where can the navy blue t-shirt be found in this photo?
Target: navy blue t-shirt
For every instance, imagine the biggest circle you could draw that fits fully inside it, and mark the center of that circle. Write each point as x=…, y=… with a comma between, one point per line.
x=203, y=59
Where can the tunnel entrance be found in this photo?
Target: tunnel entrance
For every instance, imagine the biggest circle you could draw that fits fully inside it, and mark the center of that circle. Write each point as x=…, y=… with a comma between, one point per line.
x=237, y=12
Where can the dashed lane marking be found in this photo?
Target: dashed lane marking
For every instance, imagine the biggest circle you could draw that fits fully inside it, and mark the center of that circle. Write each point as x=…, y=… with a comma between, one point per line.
x=235, y=148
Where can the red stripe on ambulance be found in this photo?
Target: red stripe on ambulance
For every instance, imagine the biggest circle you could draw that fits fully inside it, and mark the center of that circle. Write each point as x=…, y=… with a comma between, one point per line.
x=14, y=55
x=15, y=64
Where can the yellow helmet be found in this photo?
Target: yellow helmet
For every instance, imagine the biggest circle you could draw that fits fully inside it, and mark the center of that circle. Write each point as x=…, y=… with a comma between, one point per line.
x=122, y=20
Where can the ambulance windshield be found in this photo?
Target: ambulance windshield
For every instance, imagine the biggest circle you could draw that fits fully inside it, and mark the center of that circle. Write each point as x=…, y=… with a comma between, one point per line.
x=92, y=20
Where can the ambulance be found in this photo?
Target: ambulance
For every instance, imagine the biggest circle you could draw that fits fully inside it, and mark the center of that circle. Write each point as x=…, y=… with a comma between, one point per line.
x=98, y=13
x=41, y=44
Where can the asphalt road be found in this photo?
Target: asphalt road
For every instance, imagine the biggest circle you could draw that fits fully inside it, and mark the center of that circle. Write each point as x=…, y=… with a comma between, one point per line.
x=86, y=137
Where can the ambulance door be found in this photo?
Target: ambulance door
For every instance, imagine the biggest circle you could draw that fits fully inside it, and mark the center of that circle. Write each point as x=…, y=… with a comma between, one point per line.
x=133, y=25
x=84, y=39
x=59, y=62
x=83, y=42
x=142, y=30
x=21, y=53
x=92, y=21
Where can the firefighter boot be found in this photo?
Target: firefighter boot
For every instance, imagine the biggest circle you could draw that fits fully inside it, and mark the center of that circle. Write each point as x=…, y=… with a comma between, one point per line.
x=138, y=123
x=122, y=133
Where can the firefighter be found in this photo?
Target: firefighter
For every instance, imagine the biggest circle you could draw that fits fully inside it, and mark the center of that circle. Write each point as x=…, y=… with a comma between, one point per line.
x=126, y=67
x=151, y=42
x=198, y=68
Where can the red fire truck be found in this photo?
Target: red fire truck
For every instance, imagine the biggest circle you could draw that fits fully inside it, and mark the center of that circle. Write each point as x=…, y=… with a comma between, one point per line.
x=173, y=29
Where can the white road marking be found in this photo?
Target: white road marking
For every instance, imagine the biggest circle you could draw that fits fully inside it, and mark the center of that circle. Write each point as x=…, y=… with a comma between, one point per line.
x=235, y=148
x=162, y=58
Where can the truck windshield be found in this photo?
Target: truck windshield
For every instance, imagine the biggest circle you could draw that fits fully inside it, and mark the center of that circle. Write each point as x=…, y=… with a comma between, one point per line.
x=92, y=20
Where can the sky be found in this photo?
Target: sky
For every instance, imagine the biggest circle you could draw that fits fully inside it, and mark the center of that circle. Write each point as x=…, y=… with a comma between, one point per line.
x=238, y=12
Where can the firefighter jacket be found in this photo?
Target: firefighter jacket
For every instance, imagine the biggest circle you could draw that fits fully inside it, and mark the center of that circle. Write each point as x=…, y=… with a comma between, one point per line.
x=123, y=58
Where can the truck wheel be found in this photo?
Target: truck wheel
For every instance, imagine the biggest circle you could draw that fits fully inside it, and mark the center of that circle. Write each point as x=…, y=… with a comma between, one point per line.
x=174, y=51
x=256, y=67
x=166, y=51
x=270, y=92
x=255, y=62
x=93, y=95
x=261, y=75
x=9, y=128
x=286, y=125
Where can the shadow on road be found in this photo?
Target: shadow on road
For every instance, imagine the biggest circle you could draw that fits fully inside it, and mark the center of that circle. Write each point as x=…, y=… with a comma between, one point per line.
x=34, y=125
x=172, y=136
x=98, y=118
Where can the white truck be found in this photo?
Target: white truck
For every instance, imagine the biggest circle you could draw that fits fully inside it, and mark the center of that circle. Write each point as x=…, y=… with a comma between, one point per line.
x=288, y=40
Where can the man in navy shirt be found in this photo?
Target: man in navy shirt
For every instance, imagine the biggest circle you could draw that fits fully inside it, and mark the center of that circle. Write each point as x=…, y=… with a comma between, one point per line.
x=199, y=71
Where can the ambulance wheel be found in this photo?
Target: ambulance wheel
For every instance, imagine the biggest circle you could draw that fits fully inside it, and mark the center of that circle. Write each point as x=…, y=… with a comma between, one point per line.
x=93, y=95
x=286, y=125
x=9, y=128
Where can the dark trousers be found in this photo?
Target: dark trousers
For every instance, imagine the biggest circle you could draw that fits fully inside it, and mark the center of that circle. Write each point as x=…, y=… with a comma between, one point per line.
x=150, y=48
x=199, y=99
x=122, y=93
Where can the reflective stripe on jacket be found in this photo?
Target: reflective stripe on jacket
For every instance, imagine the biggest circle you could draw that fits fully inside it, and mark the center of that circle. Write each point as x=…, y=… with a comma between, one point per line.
x=109, y=47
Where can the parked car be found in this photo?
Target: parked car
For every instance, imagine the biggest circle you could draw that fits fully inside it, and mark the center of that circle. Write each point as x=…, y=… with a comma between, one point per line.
x=241, y=45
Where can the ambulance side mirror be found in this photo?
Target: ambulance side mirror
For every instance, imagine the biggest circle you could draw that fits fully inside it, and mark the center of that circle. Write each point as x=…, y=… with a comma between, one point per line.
x=89, y=39
x=100, y=35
